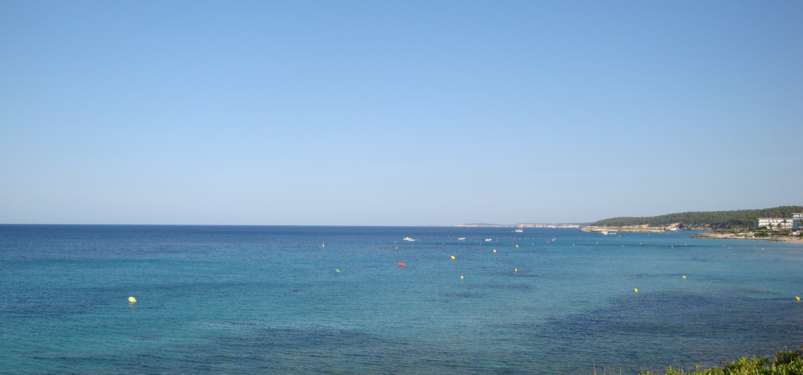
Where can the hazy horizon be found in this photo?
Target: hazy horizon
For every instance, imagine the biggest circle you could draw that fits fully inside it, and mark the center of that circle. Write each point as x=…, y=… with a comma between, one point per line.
x=395, y=113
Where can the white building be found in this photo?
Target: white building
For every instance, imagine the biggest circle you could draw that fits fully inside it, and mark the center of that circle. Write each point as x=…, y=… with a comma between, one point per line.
x=773, y=222
x=797, y=217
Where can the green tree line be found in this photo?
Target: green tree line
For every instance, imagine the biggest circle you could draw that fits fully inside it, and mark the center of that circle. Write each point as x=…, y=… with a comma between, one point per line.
x=712, y=219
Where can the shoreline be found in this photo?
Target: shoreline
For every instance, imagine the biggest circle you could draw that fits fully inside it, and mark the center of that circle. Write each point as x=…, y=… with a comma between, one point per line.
x=629, y=228
x=747, y=236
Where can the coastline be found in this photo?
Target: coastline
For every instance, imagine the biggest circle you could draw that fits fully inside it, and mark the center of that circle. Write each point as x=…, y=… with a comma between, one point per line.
x=520, y=225
x=644, y=228
x=747, y=236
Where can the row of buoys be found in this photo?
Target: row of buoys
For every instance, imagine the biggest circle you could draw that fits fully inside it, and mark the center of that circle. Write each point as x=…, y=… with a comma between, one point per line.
x=461, y=276
x=797, y=299
x=132, y=300
x=636, y=289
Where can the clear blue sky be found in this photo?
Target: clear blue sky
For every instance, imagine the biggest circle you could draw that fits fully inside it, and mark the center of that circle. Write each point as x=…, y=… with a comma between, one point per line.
x=396, y=113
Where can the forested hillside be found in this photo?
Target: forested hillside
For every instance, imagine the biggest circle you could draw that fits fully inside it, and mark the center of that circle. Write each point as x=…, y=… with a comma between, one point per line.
x=713, y=219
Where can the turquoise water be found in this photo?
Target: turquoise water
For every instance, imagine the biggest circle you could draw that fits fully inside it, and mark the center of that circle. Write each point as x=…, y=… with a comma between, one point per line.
x=268, y=300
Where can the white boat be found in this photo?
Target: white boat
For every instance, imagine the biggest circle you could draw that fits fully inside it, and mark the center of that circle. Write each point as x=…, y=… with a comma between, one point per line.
x=488, y=239
x=461, y=238
x=409, y=239
x=604, y=233
x=519, y=230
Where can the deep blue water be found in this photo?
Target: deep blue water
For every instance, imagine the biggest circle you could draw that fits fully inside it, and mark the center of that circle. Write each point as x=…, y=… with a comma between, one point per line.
x=246, y=299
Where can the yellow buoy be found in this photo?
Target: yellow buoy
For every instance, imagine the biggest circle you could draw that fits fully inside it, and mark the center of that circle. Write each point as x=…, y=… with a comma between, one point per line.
x=494, y=250
x=517, y=245
x=636, y=289
x=132, y=300
x=452, y=256
x=323, y=244
x=684, y=277
x=797, y=299
x=461, y=277
x=515, y=270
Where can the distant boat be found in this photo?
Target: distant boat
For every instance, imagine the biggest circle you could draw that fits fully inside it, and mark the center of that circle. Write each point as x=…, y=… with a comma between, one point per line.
x=605, y=233
x=461, y=238
x=519, y=230
x=673, y=229
x=488, y=239
x=409, y=239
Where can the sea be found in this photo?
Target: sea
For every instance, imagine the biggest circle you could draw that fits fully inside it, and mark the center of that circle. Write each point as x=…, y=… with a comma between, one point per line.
x=337, y=300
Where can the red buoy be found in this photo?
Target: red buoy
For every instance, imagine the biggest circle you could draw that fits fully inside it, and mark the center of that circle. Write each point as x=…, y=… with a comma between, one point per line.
x=401, y=264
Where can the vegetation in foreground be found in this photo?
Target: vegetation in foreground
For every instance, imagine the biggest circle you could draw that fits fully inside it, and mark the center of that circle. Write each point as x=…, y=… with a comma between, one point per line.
x=788, y=362
x=712, y=220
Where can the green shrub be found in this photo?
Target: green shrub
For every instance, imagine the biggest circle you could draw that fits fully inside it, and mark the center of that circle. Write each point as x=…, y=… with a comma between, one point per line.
x=789, y=362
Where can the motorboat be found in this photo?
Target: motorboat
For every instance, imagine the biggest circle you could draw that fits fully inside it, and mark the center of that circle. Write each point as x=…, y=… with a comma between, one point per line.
x=488, y=239
x=409, y=239
x=461, y=238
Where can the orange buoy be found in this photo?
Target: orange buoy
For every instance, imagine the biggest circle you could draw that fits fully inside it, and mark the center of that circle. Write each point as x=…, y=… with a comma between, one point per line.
x=401, y=264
